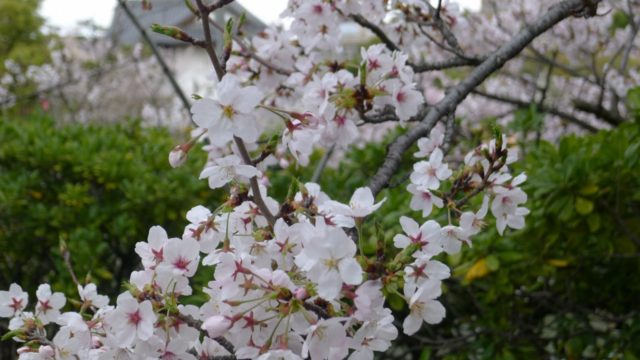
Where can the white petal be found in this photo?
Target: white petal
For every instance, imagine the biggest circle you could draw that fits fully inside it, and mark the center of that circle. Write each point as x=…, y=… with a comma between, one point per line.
x=350, y=271
x=434, y=312
x=411, y=324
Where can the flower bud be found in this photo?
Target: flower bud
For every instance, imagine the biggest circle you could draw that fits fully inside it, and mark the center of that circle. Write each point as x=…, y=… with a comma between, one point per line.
x=46, y=351
x=301, y=294
x=217, y=325
x=177, y=156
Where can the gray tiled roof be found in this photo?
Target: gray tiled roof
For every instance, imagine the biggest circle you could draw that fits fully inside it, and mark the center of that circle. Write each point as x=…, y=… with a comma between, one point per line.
x=175, y=13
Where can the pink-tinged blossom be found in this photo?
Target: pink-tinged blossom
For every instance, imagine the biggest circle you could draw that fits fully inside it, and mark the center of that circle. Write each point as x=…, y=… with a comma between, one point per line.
x=427, y=236
x=373, y=336
x=328, y=258
x=326, y=339
x=228, y=169
x=131, y=321
x=427, y=145
x=89, y=295
x=404, y=98
x=430, y=173
x=70, y=344
x=230, y=112
x=472, y=223
x=73, y=321
x=13, y=302
x=151, y=252
x=452, y=239
x=505, y=207
x=300, y=139
x=400, y=70
x=317, y=92
x=424, y=307
x=424, y=269
x=181, y=257
x=49, y=304
x=378, y=61
x=423, y=200
x=203, y=228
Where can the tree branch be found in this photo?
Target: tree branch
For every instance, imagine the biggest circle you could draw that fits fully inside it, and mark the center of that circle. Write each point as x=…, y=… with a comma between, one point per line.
x=220, y=72
x=250, y=53
x=599, y=111
x=543, y=108
x=176, y=87
x=457, y=94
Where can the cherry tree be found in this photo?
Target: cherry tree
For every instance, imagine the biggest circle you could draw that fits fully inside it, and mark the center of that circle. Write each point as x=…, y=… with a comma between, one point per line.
x=291, y=278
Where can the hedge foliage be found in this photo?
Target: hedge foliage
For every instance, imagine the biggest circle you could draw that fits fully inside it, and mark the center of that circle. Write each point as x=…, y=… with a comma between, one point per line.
x=96, y=188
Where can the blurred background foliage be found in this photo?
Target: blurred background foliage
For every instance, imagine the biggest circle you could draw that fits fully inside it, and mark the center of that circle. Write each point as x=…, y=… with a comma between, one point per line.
x=21, y=38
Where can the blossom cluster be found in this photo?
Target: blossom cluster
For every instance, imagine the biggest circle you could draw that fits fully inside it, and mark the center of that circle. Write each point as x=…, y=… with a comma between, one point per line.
x=297, y=290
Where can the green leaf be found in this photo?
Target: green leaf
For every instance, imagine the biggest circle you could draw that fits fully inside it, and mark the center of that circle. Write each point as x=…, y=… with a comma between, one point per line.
x=493, y=263
x=594, y=222
x=583, y=206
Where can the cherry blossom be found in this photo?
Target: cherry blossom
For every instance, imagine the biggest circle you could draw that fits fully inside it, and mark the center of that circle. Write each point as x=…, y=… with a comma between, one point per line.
x=430, y=173
x=131, y=321
x=227, y=169
x=423, y=307
x=49, y=304
x=327, y=257
x=13, y=302
x=230, y=112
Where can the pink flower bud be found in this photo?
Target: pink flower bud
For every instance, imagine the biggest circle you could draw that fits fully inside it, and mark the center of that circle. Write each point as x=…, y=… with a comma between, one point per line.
x=177, y=156
x=301, y=294
x=217, y=325
x=47, y=351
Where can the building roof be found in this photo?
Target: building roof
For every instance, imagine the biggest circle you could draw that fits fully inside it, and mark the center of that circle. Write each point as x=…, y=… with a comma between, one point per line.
x=174, y=13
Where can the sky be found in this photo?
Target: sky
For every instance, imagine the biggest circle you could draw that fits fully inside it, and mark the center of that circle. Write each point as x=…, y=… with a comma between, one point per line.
x=64, y=14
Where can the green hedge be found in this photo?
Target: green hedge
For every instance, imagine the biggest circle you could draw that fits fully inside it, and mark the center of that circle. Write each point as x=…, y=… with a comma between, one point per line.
x=96, y=188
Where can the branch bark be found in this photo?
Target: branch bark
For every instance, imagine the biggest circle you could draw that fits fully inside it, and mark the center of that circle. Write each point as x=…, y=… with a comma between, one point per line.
x=220, y=72
x=458, y=93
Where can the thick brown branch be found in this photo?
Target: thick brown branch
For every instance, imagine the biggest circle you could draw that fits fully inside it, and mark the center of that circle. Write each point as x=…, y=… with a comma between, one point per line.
x=458, y=93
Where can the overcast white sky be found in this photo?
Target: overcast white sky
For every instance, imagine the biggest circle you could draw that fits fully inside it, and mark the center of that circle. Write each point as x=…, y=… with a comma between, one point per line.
x=66, y=13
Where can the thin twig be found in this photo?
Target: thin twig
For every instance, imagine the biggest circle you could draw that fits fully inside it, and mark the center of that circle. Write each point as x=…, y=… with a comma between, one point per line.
x=251, y=54
x=543, y=108
x=167, y=72
x=220, y=72
x=66, y=256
